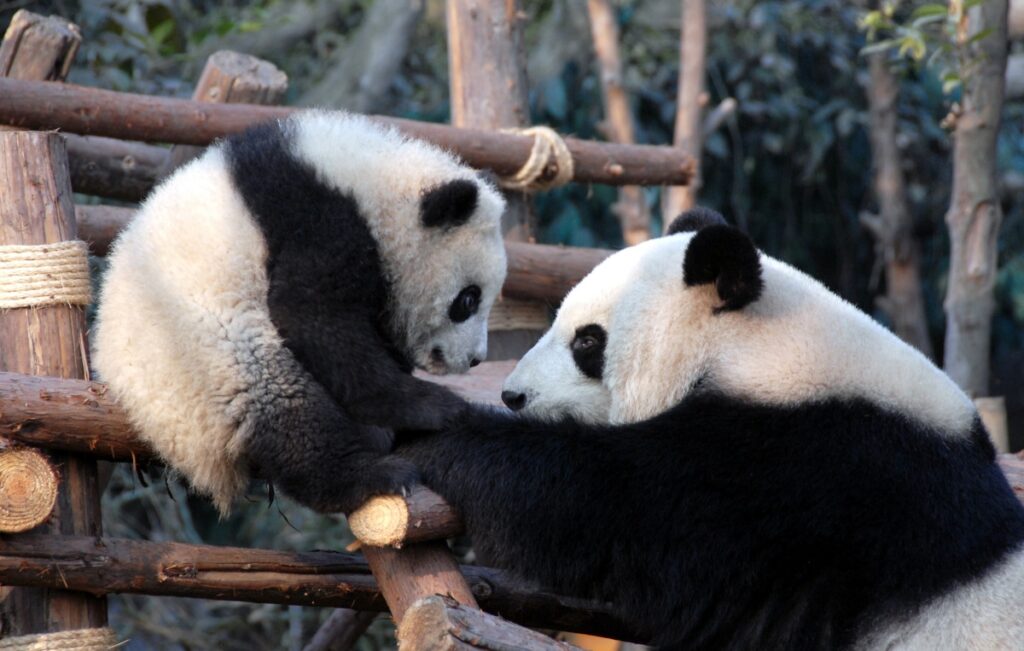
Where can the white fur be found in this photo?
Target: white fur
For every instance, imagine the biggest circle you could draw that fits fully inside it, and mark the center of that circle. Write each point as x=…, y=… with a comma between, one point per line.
x=387, y=173
x=984, y=615
x=797, y=343
x=183, y=334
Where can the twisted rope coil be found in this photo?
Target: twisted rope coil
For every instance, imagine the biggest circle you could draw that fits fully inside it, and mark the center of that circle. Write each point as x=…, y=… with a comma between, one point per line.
x=44, y=274
x=548, y=149
x=85, y=639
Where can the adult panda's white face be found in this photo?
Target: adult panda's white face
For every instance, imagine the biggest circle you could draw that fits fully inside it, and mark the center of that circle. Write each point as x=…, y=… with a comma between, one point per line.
x=437, y=225
x=702, y=309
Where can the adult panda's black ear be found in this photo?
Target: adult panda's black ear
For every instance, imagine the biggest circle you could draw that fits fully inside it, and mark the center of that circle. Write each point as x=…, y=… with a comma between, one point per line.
x=724, y=256
x=695, y=219
x=449, y=205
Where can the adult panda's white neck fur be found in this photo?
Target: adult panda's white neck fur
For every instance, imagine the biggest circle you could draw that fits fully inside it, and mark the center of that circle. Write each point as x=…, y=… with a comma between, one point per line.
x=795, y=344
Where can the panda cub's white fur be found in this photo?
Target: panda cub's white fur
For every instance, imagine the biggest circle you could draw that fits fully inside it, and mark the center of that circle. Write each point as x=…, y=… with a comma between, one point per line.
x=189, y=326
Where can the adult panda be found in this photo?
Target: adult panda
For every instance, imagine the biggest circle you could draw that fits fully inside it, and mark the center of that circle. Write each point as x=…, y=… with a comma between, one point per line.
x=736, y=458
x=267, y=304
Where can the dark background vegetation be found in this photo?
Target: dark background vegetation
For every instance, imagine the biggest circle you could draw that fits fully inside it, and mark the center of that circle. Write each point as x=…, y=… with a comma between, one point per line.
x=792, y=166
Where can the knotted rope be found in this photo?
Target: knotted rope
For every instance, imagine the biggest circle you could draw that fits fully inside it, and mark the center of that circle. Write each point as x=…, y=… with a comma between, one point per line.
x=44, y=274
x=548, y=149
x=85, y=639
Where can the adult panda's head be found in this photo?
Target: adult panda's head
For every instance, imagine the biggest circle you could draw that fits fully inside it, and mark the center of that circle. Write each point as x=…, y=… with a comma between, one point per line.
x=437, y=226
x=701, y=309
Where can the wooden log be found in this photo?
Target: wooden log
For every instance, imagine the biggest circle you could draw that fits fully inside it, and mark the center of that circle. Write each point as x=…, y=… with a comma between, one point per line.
x=320, y=578
x=90, y=111
x=36, y=208
x=546, y=272
x=631, y=208
x=492, y=96
x=440, y=624
x=341, y=630
x=28, y=489
x=39, y=48
x=419, y=570
x=535, y=271
x=115, y=169
x=231, y=78
x=393, y=520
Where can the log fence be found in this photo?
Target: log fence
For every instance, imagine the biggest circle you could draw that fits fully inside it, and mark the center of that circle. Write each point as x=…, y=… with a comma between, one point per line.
x=64, y=568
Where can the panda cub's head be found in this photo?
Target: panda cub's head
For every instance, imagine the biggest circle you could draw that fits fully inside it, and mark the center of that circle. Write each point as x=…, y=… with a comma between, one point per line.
x=437, y=225
x=701, y=309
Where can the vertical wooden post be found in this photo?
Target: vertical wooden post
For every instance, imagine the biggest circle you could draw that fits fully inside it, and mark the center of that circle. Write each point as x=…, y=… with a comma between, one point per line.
x=416, y=571
x=231, y=78
x=38, y=48
x=487, y=69
x=36, y=208
x=487, y=86
x=689, y=106
x=631, y=208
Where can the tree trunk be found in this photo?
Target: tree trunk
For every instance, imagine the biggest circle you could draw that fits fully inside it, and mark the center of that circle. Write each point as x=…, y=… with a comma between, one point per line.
x=361, y=71
x=892, y=228
x=975, y=214
x=689, y=106
x=631, y=208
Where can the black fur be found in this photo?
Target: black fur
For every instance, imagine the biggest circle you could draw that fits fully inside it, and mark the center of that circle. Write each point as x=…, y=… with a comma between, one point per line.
x=726, y=525
x=723, y=255
x=449, y=205
x=588, y=350
x=695, y=219
x=328, y=298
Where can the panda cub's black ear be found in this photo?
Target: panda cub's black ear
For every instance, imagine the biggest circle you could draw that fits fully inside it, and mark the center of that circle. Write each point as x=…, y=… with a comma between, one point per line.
x=725, y=256
x=449, y=205
x=694, y=219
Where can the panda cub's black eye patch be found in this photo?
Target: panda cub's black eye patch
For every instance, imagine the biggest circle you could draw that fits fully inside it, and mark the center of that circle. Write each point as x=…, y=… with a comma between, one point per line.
x=465, y=304
x=588, y=350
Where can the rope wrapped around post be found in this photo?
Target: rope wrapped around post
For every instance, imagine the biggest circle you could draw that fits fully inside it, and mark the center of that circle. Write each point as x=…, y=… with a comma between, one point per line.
x=32, y=275
x=83, y=639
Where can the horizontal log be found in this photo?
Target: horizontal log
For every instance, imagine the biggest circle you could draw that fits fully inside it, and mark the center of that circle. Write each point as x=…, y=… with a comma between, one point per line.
x=320, y=578
x=115, y=169
x=91, y=111
x=535, y=271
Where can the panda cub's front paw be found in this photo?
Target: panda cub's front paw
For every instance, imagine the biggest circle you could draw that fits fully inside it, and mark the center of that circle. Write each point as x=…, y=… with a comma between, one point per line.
x=383, y=476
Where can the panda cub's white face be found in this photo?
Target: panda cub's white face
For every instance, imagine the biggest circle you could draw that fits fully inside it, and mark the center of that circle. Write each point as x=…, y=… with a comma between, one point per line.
x=437, y=224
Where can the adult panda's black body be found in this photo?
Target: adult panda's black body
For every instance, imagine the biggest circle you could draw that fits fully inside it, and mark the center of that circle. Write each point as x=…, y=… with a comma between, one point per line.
x=725, y=494
x=265, y=308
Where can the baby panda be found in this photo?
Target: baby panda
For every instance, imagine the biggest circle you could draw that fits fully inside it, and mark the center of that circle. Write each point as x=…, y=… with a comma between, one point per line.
x=265, y=308
x=736, y=458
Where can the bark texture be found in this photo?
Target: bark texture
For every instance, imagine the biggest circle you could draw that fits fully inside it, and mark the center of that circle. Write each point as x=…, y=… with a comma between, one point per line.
x=689, y=106
x=631, y=209
x=892, y=228
x=975, y=214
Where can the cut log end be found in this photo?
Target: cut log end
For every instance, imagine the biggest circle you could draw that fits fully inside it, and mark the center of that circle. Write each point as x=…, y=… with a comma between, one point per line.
x=28, y=489
x=381, y=522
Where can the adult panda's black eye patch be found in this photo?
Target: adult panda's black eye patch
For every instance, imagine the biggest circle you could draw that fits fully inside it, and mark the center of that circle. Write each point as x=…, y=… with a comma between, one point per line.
x=465, y=304
x=449, y=205
x=588, y=350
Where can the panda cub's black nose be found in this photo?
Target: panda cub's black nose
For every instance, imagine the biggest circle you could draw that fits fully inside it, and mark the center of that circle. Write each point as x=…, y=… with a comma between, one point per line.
x=474, y=362
x=513, y=400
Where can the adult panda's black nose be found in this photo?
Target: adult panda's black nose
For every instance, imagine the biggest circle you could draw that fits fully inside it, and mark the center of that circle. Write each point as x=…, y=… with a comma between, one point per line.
x=474, y=362
x=513, y=400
